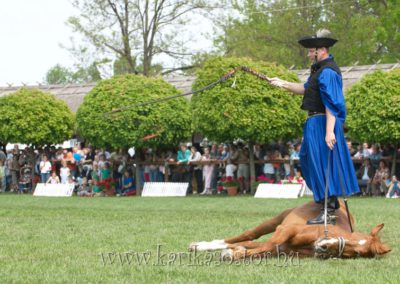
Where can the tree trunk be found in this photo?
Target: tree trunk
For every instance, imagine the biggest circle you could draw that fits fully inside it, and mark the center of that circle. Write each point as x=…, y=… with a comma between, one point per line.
x=252, y=168
x=146, y=64
x=394, y=161
x=137, y=173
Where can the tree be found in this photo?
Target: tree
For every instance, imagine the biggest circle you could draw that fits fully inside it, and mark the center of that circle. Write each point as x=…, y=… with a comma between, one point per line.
x=374, y=108
x=269, y=31
x=32, y=117
x=252, y=110
x=134, y=29
x=58, y=75
x=168, y=121
x=62, y=75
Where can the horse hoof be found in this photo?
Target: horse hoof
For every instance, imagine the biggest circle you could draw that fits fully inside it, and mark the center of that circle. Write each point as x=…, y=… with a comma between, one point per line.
x=193, y=246
x=227, y=254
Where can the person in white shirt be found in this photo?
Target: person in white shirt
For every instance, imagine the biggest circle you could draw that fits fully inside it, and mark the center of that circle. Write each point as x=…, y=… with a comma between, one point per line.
x=230, y=169
x=269, y=170
x=64, y=172
x=195, y=156
x=45, y=169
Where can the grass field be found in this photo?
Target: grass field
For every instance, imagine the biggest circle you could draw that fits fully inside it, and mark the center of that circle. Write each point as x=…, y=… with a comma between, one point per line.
x=92, y=240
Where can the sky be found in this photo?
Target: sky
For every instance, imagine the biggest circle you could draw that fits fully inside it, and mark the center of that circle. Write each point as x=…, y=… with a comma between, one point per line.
x=31, y=32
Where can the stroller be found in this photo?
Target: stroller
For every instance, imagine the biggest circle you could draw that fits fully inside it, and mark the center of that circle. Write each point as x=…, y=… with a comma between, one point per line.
x=25, y=180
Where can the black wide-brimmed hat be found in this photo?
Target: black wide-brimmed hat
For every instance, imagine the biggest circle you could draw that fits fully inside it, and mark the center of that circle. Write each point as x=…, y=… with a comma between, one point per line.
x=320, y=39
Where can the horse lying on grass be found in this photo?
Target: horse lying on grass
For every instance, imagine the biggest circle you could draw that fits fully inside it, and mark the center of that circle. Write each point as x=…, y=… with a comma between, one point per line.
x=291, y=234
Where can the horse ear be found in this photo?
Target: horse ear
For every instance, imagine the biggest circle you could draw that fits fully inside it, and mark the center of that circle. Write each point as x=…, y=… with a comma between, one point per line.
x=376, y=230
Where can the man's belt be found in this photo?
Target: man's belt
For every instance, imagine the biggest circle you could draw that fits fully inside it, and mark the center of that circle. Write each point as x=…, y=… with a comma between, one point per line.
x=314, y=113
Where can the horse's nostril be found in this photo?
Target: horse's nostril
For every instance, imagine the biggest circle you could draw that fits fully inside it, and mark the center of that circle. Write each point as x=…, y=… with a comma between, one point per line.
x=322, y=248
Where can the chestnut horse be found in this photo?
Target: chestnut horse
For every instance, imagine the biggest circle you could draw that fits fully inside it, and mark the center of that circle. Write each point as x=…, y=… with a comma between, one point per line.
x=291, y=234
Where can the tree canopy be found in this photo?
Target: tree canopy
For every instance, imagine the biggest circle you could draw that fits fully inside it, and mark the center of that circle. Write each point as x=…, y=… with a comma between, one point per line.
x=268, y=30
x=374, y=108
x=166, y=123
x=32, y=117
x=251, y=110
x=62, y=75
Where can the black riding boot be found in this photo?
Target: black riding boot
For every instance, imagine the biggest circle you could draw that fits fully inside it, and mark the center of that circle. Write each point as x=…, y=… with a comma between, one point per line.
x=333, y=204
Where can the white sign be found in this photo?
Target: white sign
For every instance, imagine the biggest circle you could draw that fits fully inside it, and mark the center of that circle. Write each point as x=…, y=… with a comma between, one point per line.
x=43, y=189
x=269, y=190
x=152, y=189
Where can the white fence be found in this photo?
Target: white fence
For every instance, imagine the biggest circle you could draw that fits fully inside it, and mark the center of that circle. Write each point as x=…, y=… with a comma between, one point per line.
x=153, y=189
x=269, y=190
x=43, y=189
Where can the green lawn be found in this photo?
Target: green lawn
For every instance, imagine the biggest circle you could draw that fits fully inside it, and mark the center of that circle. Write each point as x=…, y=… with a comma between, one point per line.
x=74, y=240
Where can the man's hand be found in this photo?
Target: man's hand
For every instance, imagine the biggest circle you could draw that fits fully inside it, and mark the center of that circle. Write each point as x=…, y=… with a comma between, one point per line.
x=330, y=140
x=278, y=82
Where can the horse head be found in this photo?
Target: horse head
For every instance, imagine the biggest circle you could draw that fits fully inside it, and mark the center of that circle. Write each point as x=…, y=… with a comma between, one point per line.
x=355, y=245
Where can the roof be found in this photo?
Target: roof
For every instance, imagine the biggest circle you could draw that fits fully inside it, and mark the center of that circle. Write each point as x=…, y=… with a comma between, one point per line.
x=73, y=94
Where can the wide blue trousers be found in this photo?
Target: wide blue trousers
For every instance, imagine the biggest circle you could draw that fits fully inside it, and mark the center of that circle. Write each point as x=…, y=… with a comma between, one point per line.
x=314, y=160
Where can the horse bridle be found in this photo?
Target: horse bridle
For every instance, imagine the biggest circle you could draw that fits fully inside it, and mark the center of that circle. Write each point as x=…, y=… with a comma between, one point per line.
x=341, y=246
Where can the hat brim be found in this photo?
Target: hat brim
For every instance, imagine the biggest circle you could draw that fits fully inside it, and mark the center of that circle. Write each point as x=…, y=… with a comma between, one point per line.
x=313, y=42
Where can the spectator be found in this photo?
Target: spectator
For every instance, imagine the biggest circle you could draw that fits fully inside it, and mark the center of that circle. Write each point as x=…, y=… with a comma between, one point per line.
x=147, y=167
x=53, y=179
x=207, y=172
x=2, y=176
x=366, y=150
x=394, y=189
x=96, y=189
x=277, y=166
x=197, y=170
x=243, y=174
x=360, y=152
x=64, y=172
x=8, y=166
x=128, y=185
x=71, y=164
x=84, y=189
x=106, y=180
x=269, y=170
x=14, y=172
x=350, y=147
x=182, y=173
x=154, y=169
x=375, y=155
x=45, y=169
x=379, y=183
x=286, y=167
x=230, y=170
x=365, y=175
x=217, y=171
x=101, y=160
x=3, y=156
x=295, y=155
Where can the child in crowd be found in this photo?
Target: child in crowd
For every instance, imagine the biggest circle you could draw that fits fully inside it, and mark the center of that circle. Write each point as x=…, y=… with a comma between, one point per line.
x=230, y=169
x=394, y=189
x=53, y=179
x=128, y=184
x=84, y=189
x=64, y=172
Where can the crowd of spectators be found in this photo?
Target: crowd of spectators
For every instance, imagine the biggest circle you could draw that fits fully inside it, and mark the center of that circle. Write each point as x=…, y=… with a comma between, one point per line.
x=98, y=172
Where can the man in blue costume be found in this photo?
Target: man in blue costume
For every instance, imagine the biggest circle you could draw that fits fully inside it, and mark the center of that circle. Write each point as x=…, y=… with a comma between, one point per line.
x=323, y=131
